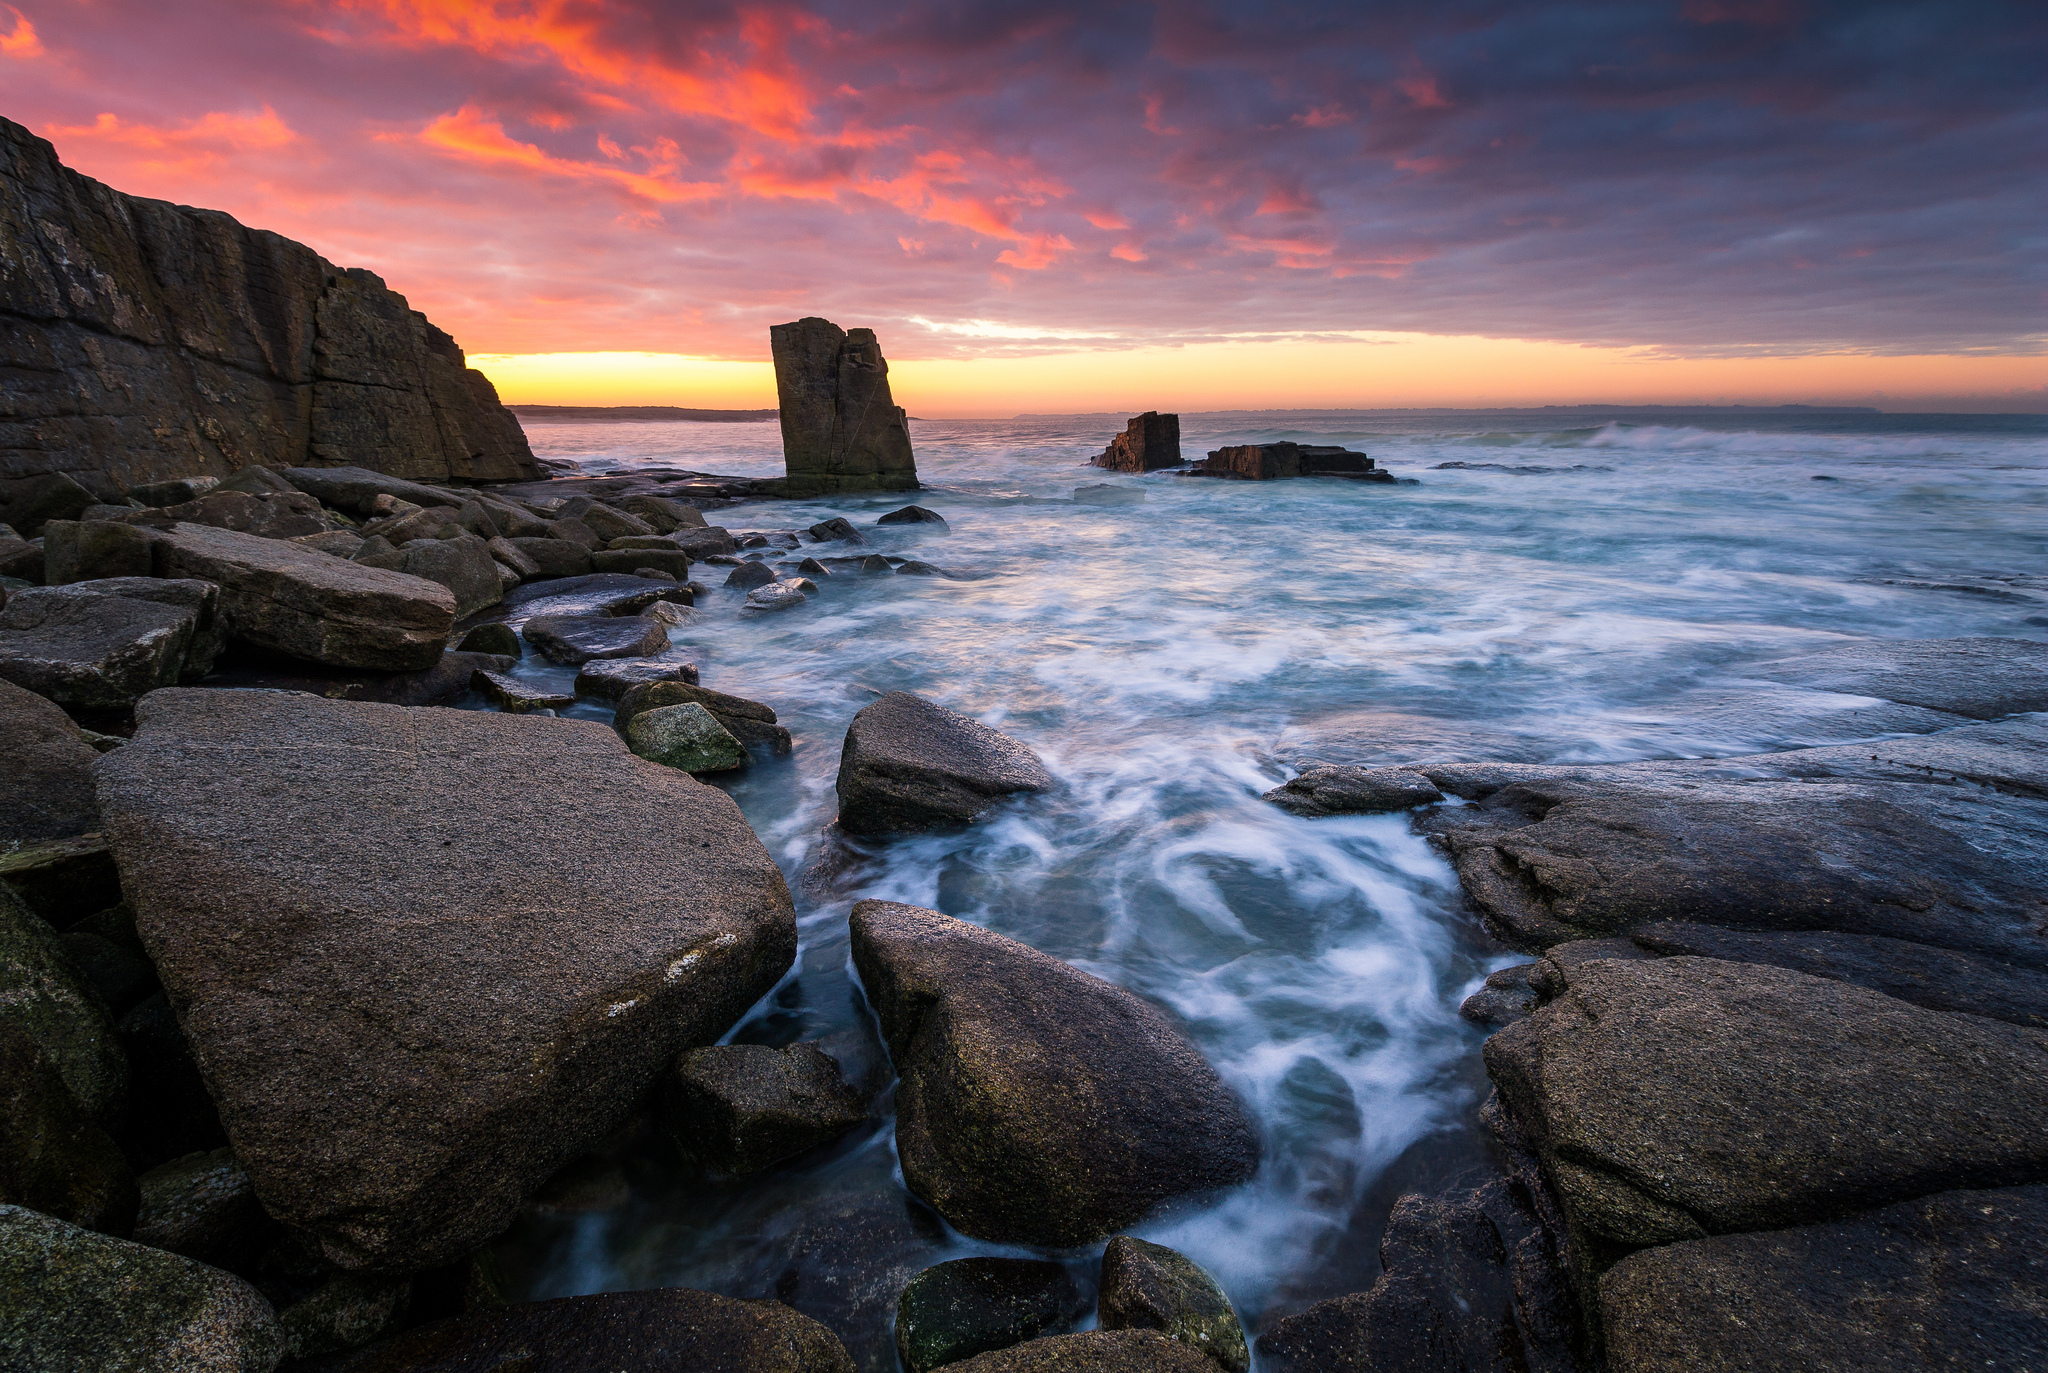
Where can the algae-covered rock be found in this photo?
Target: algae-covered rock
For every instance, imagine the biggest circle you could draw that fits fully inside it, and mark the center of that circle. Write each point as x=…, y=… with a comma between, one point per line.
x=1148, y=1286
x=750, y=722
x=737, y=1108
x=43, y=995
x=77, y=1300
x=1038, y=1104
x=953, y=1311
x=687, y=737
x=53, y=1157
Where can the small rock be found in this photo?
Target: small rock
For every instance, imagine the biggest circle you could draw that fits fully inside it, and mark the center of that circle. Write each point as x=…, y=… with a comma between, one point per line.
x=913, y=514
x=911, y=764
x=738, y=1108
x=495, y=638
x=337, y=543
x=42, y=994
x=658, y=1330
x=811, y=567
x=611, y=678
x=203, y=1206
x=1147, y=1286
x=1097, y=1351
x=704, y=544
x=77, y=1300
x=575, y=639
x=685, y=737
x=1506, y=998
x=750, y=722
x=509, y=555
x=914, y=567
x=1334, y=790
x=349, y=1310
x=1105, y=493
x=748, y=576
x=21, y=562
x=672, y=561
x=672, y=614
x=1037, y=1104
x=782, y=595
x=54, y=1158
x=552, y=557
x=838, y=529
x=953, y=1311
x=516, y=697
x=571, y=530
x=27, y=503
x=46, y=788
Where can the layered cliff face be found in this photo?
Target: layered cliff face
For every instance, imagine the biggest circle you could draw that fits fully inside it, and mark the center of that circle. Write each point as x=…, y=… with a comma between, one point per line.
x=141, y=340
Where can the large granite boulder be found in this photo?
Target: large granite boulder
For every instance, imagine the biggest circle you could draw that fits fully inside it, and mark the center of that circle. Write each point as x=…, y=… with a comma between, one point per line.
x=953, y=1311
x=54, y=1158
x=1681, y=1097
x=97, y=646
x=1953, y=1280
x=1097, y=1351
x=841, y=430
x=911, y=764
x=78, y=1300
x=280, y=595
x=405, y=1022
x=1037, y=1104
x=663, y=1330
x=356, y=489
x=1148, y=1286
x=46, y=787
x=1938, y=839
x=153, y=341
x=1150, y=441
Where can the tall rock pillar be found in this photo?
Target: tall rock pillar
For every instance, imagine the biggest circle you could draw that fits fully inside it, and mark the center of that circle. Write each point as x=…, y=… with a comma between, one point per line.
x=841, y=431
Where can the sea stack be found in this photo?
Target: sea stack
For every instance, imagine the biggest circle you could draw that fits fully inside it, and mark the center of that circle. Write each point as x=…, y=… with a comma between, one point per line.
x=841, y=431
x=1150, y=441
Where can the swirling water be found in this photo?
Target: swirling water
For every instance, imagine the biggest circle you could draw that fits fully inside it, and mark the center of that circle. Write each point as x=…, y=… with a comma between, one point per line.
x=1172, y=659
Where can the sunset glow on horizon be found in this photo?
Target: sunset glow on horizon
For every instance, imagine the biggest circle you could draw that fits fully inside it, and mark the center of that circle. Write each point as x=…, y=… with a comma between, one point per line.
x=1063, y=208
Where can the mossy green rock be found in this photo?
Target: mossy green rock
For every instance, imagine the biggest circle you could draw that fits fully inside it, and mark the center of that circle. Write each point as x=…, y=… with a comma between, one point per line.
x=43, y=994
x=953, y=1311
x=1147, y=1286
x=53, y=1157
x=77, y=1300
x=686, y=737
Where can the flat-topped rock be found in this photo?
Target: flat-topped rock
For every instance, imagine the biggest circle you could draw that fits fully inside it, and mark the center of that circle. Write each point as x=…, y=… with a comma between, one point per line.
x=610, y=678
x=1150, y=441
x=413, y=1024
x=1681, y=1097
x=1037, y=1104
x=1339, y=790
x=841, y=429
x=575, y=639
x=46, y=787
x=911, y=764
x=599, y=593
x=355, y=489
x=1953, y=1280
x=279, y=595
x=99, y=645
x=1940, y=839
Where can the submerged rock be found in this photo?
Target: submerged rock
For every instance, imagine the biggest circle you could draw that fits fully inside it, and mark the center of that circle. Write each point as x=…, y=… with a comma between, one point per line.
x=77, y=1300
x=1148, y=1286
x=1978, y=679
x=953, y=1311
x=1103, y=493
x=780, y=595
x=838, y=529
x=1953, y=1280
x=1038, y=1104
x=504, y=1015
x=738, y=1108
x=99, y=645
x=278, y=595
x=914, y=514
x=1150, y=441
x=911, y=764
x=1336, y=790
x=685, y=736
x=1656, y=1095
x=46, y=787
x=662, y=1330
x=576, y=639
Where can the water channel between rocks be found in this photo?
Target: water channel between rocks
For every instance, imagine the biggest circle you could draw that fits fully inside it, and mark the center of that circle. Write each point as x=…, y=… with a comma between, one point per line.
x=1172, y=659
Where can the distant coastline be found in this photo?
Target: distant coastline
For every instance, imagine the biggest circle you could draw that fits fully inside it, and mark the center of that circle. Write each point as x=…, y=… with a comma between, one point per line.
x=642, y=414
x=1505, y=410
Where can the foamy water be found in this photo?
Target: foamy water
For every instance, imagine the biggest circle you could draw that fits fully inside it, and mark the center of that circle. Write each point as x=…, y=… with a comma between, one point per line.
x=1173, y=659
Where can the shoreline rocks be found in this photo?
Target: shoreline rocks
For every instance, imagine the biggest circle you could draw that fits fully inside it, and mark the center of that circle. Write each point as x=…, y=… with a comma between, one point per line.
x=910, y=764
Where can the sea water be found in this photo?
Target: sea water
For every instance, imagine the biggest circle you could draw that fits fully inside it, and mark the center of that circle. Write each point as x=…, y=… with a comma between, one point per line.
x=1582, y=589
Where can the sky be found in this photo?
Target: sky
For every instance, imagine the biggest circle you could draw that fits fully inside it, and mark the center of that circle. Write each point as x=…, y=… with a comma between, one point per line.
x=1106, y=206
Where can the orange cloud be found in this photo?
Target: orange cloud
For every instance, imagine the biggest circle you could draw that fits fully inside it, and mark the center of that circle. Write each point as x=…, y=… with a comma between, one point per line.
x=21, y=41
x=468, y=135
x=1129, y=252
x=189, y=148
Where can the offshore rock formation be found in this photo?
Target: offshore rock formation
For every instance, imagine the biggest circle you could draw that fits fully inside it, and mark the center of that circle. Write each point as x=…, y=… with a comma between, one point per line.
x=1274, y=461
x=142, y=341
x=1150, y=441
x=841, y=431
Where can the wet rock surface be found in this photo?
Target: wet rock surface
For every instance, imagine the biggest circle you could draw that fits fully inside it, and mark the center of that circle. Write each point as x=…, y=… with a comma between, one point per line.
x=1037, y=1104
x=1978, y=679
x=79, y=1300
x=1148, y=1286
x=611, y=678
x=910, y=764
x=598, y=593
x=505, y=1016
x=576, y=639
x=666, y=1330
x=1338, y=790
x=914, y=515
x=953, y=1311
x=278, y=595
x=750, y=722
x=1951, y=1280
x=739, y=1108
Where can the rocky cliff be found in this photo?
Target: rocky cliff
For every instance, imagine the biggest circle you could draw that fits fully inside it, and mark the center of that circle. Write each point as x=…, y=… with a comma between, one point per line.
x=841, y=429
x=141, y=340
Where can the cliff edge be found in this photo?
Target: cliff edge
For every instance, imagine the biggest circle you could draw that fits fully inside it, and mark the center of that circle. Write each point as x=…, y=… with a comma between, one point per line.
x=141, y=340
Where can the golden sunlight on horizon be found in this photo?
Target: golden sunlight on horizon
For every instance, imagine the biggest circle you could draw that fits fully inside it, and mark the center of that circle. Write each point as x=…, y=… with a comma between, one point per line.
x=1359, y=371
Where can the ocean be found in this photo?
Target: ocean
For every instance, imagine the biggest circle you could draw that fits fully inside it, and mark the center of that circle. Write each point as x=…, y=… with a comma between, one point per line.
x=1580, y=587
